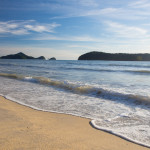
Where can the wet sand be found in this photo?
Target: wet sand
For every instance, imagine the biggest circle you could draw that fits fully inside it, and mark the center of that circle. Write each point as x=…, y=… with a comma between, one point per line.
x=23, y=128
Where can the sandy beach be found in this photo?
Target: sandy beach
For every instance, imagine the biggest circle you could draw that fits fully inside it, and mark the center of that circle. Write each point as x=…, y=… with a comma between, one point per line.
x=23, y=128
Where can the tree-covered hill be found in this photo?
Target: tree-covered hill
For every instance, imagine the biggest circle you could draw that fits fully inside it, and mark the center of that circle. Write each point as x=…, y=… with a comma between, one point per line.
x=116, y=56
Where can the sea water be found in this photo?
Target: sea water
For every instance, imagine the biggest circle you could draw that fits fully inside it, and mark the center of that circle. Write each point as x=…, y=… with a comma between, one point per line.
x=115, y=95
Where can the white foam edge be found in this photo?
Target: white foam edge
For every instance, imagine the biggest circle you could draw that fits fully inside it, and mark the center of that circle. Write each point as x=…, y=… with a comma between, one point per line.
x=38, y=109
x=92, y=122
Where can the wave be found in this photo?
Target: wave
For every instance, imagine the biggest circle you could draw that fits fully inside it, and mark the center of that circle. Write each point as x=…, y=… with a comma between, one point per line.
x=89, y=69
x=83, y=89
x=13, y=76
x=59, y=84
x=115, y=64
x=111, y=70
x=142, y=71
x=94, y=125
x=85, y=63
x=130, y=65
x=8, y=64
x=28, y=66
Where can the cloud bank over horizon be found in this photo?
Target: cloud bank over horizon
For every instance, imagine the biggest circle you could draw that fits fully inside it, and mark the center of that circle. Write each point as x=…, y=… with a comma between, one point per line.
x=48, y=27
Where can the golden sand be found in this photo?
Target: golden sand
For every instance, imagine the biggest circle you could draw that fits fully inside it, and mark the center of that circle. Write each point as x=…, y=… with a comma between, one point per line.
x=23, y=128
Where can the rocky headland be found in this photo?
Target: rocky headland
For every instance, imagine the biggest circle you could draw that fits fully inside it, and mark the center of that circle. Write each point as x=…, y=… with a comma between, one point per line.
x=115, y=56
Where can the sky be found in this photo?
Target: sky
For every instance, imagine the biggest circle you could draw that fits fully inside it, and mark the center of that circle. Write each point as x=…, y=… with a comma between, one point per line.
x=66, y=29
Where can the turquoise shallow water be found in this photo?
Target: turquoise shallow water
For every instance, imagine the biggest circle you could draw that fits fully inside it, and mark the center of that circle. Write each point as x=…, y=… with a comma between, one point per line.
x=115, y=95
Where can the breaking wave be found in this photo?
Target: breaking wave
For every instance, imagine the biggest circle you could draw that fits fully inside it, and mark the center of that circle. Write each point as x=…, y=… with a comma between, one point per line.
x=83, y=89
x=142, y=71
x=111, y=70
x=93, y=124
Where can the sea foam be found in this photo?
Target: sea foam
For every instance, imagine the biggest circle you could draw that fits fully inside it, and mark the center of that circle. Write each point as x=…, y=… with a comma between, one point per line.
x=114, y=95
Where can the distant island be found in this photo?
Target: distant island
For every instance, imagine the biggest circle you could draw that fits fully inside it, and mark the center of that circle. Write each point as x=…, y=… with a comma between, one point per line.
x=115, y=56
x=53, y=58
x=21, y=56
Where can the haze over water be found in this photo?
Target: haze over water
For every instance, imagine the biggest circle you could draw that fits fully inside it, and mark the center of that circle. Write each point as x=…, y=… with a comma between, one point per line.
x=115, y=95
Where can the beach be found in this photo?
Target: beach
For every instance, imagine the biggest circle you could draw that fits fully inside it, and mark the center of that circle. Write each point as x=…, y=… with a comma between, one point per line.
x=25, y=128
x=74, y=75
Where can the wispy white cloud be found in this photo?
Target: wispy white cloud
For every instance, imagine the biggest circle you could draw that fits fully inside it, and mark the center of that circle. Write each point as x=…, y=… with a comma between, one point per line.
x=100, y=12
x=120, y=13
x=41, y=28
x=81, y=8
x=11, y=27
x=18, y=31
x=25, y=27
x=124, y=31
x=140, y=4
x=91, y=3
x=97, y=13
x=85, y=38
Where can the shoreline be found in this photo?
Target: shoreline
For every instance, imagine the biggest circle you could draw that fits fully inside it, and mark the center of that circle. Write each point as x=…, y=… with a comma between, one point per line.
x=26, y=128
x=91, y=122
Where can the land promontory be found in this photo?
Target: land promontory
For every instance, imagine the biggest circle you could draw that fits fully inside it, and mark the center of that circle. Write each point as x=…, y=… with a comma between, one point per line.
x=115, y=56
x=20, y=56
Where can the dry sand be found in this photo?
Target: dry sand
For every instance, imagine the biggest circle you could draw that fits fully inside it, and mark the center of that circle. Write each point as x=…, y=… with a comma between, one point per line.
x=23, y=128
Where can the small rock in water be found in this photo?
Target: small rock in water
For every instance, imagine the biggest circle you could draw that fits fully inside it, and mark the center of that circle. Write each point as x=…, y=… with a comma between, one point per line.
x=53, y=58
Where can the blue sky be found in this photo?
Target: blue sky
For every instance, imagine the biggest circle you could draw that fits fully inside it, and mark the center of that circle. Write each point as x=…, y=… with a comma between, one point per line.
x=65, y=29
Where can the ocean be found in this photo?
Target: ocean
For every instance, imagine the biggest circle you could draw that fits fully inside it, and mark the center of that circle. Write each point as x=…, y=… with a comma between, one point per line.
x=115, y=95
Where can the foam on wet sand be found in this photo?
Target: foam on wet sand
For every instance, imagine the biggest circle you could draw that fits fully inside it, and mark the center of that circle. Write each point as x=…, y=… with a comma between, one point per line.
x=25, y=128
